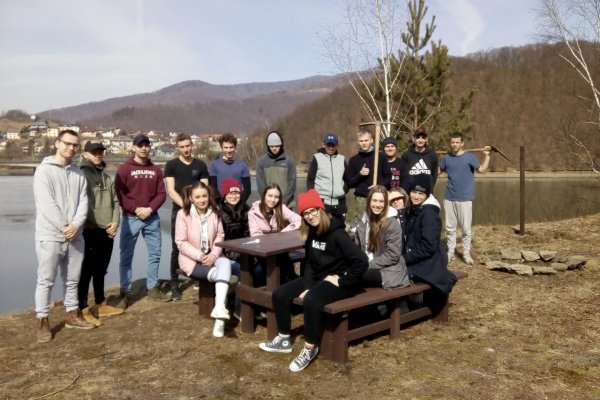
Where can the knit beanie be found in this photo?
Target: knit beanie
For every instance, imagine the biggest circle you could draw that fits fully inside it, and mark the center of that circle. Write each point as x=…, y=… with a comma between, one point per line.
x=388, y=140
x=230, y=185
x=421, y=183
x=273, y=139
x=310, y=199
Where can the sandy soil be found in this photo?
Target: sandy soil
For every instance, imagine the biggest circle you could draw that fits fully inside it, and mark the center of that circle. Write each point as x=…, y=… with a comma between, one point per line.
x=509, y=337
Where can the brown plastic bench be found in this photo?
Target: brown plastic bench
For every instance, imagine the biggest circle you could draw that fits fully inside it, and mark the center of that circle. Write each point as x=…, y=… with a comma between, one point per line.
x=340, y=328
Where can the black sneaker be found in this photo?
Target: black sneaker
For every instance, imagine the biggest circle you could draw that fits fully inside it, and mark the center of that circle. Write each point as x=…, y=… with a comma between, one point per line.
x=305, y=357
x=175, y=292
x=280, y=344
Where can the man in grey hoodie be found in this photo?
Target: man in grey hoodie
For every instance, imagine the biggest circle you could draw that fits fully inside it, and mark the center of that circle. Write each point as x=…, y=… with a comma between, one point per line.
x=276, y=167
x=61, y=206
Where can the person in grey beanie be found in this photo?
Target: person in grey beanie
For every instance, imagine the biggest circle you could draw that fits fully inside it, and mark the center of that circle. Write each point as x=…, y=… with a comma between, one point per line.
x=277, y=167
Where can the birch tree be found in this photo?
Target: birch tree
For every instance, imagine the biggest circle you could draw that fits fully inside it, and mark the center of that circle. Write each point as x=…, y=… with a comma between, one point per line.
x=576, y=24
x=362, y=47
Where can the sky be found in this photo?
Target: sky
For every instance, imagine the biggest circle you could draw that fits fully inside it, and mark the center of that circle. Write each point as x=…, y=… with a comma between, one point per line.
x=58, y=53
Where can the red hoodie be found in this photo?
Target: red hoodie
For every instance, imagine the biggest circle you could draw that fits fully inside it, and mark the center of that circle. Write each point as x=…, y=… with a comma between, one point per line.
x=139, y=185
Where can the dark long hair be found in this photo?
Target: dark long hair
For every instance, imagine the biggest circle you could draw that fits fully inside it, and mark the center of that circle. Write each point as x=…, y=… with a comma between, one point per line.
x=187, y=197
x=378, y=223
x=264, y=209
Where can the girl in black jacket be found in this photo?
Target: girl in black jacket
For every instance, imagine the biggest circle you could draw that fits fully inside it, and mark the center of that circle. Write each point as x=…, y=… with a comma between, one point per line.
x=234, y=216
x=424, y=254
x=333, y=269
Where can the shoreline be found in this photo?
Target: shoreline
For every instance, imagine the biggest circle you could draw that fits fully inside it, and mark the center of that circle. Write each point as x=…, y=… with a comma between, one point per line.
x=4, y=171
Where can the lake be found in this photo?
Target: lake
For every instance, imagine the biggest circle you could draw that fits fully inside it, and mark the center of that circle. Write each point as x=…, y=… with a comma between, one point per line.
x=497, y=202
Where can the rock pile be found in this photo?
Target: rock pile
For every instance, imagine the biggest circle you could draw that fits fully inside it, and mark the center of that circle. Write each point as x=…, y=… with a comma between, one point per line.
x=528, y=262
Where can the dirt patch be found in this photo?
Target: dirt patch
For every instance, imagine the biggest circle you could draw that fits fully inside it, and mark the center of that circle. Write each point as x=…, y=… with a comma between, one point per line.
x=508, y=337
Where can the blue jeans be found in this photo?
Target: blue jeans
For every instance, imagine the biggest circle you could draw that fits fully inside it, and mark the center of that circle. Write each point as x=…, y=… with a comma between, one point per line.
x=130, y=230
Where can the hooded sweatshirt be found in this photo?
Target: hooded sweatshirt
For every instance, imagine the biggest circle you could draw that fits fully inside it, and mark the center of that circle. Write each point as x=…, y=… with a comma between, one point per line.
x=361, y=183
x=103, y=204
x=424, y=254
x=139, y=185
x=277, y=168
x=333, y=253
x=60, y=198
x=415, y=163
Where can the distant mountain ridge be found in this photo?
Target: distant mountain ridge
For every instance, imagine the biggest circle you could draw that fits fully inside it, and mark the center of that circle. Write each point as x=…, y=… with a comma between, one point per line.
x=195, y=106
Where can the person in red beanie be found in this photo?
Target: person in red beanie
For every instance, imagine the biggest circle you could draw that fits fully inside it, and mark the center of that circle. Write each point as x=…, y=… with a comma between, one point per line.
x=333, y=268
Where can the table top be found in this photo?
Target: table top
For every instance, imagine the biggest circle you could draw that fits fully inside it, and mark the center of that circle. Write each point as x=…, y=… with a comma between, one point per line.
x=268, y=245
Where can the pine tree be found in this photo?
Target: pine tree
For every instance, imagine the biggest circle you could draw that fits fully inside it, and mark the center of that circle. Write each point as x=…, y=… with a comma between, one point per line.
x=422, y=98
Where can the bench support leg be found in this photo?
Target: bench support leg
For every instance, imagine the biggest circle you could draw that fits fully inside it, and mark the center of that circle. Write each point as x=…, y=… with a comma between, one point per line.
x=440, y=307
x=206, y=298
x=334, y=344
x=395, y=319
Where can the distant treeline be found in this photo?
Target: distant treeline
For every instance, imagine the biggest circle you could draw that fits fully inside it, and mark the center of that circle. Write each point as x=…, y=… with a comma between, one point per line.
x=524, y=96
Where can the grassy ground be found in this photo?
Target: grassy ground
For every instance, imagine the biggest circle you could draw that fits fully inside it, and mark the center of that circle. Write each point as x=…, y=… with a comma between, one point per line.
x=509, y=337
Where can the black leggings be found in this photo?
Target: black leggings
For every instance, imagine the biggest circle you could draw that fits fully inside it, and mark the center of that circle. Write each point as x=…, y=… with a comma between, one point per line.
x=372, y=278
x=319, y=295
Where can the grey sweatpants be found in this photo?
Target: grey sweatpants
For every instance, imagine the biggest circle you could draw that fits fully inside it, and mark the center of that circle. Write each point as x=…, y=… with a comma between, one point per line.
x=53, y=257
x=458, y=213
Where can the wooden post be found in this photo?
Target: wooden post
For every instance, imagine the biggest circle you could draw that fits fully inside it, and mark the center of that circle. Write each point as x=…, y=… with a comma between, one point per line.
x=522, y=190
x=376, y=158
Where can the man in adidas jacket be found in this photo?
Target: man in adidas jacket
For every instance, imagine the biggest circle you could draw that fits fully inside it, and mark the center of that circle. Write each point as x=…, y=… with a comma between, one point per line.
x=418, y=159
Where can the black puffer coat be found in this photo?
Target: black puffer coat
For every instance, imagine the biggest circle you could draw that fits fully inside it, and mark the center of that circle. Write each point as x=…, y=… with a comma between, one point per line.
x=235, y=225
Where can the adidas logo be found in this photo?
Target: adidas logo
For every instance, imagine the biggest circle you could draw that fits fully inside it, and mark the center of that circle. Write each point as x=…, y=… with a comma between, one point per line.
x=419, y=168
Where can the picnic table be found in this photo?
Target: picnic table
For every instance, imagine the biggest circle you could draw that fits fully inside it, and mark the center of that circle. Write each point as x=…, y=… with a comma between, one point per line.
x=267, y=246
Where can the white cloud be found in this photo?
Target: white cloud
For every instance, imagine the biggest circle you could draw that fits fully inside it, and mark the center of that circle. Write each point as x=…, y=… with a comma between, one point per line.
x=468, y=20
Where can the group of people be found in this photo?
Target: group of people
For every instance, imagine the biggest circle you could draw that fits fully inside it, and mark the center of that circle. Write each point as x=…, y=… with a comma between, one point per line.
x=397, y=239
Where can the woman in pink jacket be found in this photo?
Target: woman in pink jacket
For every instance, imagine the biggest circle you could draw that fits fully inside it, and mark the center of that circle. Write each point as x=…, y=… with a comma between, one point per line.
x=197, y=228
x=270, y=215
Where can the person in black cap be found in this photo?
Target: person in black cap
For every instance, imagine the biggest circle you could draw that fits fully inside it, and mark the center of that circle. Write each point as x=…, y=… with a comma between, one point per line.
x=141, y=192
x=418, y=159
x=326, y=176
x=99, y=230
x=277, y=167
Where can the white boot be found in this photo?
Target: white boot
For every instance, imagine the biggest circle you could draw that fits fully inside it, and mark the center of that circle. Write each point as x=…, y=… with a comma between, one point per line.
x=219, y=329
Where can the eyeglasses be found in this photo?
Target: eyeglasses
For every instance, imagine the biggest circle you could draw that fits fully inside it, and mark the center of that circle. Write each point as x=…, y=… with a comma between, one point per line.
x=310, y=213
x=69, y=144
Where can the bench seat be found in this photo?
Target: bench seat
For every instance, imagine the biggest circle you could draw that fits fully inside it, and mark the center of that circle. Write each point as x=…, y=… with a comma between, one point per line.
x=340, y=328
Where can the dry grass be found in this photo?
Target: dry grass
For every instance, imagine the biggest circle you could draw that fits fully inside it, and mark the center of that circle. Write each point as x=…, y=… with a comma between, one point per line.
x=509, y=337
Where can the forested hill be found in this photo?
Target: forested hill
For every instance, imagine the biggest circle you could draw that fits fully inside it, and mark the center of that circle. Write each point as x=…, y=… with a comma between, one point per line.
x=525, y=96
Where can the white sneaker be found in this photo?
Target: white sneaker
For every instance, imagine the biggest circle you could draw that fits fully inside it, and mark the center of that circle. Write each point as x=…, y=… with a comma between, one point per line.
x=468, y=259
x=451, y=256
x=220, y=312
x=219, y=329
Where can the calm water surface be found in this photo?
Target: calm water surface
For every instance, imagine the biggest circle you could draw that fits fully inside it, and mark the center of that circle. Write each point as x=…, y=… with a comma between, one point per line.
x=497, y=202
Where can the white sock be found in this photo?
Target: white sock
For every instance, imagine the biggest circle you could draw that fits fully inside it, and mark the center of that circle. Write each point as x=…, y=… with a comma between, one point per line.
x=221, y=289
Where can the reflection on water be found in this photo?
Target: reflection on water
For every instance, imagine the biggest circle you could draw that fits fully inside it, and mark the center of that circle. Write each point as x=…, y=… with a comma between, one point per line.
x=497, y=202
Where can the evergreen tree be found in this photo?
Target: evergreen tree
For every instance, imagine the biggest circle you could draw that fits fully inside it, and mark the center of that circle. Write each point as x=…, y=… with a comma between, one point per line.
x=422, y=98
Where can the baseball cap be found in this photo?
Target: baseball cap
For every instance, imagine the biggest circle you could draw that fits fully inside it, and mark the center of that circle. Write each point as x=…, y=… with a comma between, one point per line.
x=330, y=138
x=93, y=146
x=140, y=139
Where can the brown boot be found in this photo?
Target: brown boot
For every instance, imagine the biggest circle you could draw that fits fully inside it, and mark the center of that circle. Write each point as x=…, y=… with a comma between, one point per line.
x=43, y=332
x=104, y=310
x=87, y=314
x=75, y=320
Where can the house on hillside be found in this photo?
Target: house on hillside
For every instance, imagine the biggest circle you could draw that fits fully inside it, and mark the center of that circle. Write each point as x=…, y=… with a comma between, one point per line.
x=71, y=127
x=50, y=133
x=13, y=135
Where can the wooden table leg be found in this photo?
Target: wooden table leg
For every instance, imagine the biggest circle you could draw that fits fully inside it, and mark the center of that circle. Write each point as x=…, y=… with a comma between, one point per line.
x=273, y=282
x=246, y=310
